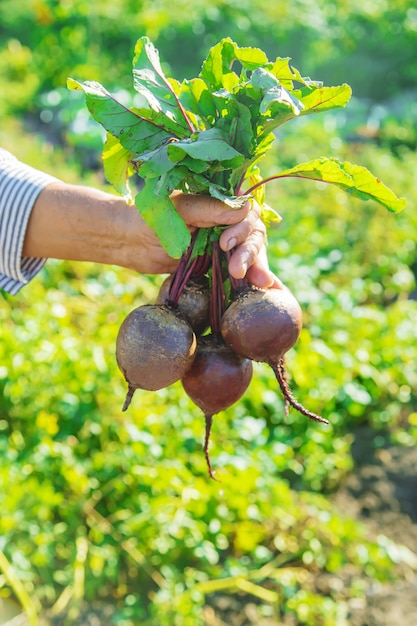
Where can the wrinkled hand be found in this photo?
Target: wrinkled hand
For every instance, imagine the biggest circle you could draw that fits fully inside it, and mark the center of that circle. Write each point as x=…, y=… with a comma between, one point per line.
x=246, y=235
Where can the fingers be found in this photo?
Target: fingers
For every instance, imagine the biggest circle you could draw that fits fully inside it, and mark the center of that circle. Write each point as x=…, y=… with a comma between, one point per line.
x=247, y=239
x=261, y=276
x=249, y=230
x=246, y=234
x=254, y=266
x=202, y=211
x=245, y=254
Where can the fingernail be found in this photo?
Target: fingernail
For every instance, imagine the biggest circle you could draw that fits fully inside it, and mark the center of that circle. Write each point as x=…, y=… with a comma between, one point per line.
x=276, y=282
x=231, y=243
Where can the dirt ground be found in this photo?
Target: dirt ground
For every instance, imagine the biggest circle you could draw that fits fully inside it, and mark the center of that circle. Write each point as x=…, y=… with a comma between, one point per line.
x=382, y=493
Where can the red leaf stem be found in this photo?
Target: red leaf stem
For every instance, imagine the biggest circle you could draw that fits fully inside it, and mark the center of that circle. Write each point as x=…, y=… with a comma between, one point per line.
x=218, y=298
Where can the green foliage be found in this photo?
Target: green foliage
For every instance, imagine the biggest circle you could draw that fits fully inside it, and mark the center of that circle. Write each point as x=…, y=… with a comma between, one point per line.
x=43, y=42
x=131, y=494
x=137, y=488
x=208, y=134
x=354, y=288
x=100, y=506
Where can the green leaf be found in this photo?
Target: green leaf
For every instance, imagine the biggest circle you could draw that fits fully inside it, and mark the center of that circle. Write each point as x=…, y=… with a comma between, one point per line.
x=274, y=93
x=171, y=180
x=209, y=145
x=250, y=58
x=149, y=80
x=264, y=145
x=194, y=182
x=197, y=166
x=201, y=241
x=154, y=162
x=237, y=127
x=216, y=69
x=196, y=97
x=282, y=105
x=159, y=213
x=355, y=179
x=116, y=165
x=287, y=75
x=240, y=174
x=323, y=98
x=269, y=215
x=137, y=130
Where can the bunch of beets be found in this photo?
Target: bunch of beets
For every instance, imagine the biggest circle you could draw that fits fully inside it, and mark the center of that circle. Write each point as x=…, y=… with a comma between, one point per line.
x=207, y=135
x=206, y=330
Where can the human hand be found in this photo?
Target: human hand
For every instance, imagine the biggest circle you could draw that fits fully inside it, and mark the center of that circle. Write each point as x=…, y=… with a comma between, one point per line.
x=245, y=235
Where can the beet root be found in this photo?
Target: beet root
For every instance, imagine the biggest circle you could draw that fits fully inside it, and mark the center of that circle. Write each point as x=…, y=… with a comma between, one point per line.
x=217, y=378
x=262, y=324
x=281, y=376
x=155, y=347
x=193, y=302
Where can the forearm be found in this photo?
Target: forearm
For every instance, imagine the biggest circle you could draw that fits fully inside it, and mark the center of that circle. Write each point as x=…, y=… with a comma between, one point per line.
x=41, y=218
x=77, y=223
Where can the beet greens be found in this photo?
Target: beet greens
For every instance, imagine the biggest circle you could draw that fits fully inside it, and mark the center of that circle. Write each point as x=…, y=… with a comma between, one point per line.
x=209, y=134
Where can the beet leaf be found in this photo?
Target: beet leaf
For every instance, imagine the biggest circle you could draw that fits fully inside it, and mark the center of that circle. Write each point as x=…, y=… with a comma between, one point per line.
x=354, y=179
x=210, y=133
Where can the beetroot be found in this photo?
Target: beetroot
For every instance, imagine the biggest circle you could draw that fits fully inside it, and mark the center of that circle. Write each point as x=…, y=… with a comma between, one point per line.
x=193, y=301
x=217, y=379
x=162, y=343
x=263, y=325
x=155, y=347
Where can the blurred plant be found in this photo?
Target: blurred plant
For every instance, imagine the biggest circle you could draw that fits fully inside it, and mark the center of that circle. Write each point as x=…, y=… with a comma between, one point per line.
x=96, y=508
x=45, y=41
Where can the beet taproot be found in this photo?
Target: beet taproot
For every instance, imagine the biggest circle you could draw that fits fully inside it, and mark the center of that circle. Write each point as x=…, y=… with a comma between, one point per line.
x=262, y=324
x=193, y=302
x=155, y=347
x=217, y=378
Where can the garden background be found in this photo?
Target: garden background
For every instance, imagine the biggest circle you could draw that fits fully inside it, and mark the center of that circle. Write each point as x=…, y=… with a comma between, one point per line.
x=112, y=517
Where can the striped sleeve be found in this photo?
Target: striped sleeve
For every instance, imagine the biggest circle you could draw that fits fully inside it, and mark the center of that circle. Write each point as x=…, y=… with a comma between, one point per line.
x=20, y=185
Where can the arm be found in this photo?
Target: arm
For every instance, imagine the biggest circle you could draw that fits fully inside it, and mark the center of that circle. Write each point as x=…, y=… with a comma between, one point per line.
x=84, y=224
x=20, y=185
x=41, y=217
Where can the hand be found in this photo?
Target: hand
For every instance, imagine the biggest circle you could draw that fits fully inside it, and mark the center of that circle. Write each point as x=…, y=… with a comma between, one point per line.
x=246, y=235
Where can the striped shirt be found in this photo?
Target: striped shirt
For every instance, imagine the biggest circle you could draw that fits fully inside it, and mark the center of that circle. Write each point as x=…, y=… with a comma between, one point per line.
x=20, y=186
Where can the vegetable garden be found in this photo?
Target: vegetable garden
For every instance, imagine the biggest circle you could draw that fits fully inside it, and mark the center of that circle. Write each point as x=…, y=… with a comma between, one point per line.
x=112, y=513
